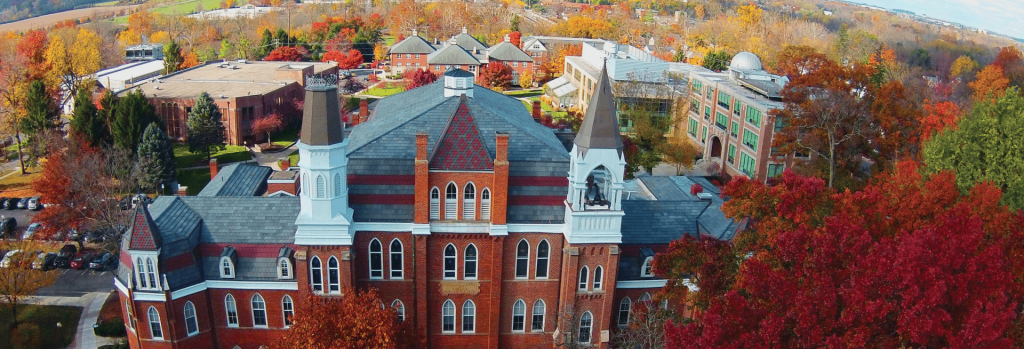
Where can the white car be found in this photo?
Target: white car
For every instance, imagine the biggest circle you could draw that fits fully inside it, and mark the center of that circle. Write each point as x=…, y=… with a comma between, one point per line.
x=8, y=259
x=34, y=204
x=30, y=231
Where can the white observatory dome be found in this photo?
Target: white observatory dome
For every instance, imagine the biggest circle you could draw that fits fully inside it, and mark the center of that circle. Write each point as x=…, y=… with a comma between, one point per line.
x=745, y=61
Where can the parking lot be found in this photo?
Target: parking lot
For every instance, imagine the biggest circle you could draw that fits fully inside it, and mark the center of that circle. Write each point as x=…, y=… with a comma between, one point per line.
x=24, y=218
x=76, y=283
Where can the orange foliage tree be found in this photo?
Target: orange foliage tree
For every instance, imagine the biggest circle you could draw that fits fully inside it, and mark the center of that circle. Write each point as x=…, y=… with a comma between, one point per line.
x=1012, y=62
x=350, y=60
x=938, y=116
x=990, y=83
x=584, y=27
x=285, y=54
x=356, y=320
x=495, y=75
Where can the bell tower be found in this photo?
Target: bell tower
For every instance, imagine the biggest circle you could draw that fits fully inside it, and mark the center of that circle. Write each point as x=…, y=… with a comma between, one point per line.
x=325, y=218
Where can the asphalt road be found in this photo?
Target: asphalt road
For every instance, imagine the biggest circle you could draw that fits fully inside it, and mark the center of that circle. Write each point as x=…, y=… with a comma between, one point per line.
x=24, y=218
x=77, y=283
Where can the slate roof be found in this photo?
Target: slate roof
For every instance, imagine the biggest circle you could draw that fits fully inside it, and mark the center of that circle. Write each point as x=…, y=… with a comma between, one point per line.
x=238, y=179
x=506, y=51
x=460, y=147
x=712, y=222
x=391, y=130
x=454, y=55
x=412, y=44
x=658, y=221
x=143, y=234
x=468, y=42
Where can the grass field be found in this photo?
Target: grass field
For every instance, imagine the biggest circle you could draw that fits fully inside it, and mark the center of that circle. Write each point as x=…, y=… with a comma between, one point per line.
x=187, y=7
x=19, y=185
x=293, y=158
x=384, y=91
x=232, y=153
x=525, y=93
x=195, y=179
x=108, y=3
x=45, y=318
x=286, y=137
x=544, y=106
x=389, y=40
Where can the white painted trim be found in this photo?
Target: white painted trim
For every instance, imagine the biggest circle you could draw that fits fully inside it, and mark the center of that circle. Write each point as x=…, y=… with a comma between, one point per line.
x=384, y=227
x=656, y=283
x=420, y=229
x=499, y=230
x=187, y=291
x=253, y=285
x=536, y=228
x=149, y=297
x=120, y=286
x=459, y=227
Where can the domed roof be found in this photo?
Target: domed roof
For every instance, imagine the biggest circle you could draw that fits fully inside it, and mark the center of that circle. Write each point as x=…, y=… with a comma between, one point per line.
x=745, y=61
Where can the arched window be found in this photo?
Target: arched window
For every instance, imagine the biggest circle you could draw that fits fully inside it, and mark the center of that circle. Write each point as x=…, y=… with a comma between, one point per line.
x=154, y=324
x=451, y=202
x=523, y=259
x=485, y=204
x=450, y=260
x=333, y=277
x=232, y=310
x=131, y=316
x=586, y=324
x=469, y=263
x=396, y=259
x=287, y=310
x=543, y=252
x=435, y=204
x=151, y=274
x=376, y=260
x=644, y=298
x=469, y=202
x=468, y=317
x=448, y=317
x=140, y=273
x=259, y=311
x=624, y=307
x=227, y=268
x=399, y=309
x=305, y=184
x=645, y=270
x=598, y=277
x=583, y=278
x=321, y=187
x=537, y=323
x=316, y=280
x=191, y=324
x=519, y=316
x=284, y=268
x=337, y=184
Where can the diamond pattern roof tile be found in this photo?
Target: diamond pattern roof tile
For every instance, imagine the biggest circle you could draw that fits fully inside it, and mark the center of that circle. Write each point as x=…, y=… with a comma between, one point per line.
x=461, y=147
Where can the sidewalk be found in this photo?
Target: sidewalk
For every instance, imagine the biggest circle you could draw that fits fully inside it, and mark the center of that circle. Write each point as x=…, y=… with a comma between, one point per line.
x=271, y=159
x=90, y=303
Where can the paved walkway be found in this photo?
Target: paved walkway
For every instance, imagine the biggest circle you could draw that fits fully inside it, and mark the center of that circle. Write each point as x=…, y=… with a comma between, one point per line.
x=271, y=159
x=91, y=304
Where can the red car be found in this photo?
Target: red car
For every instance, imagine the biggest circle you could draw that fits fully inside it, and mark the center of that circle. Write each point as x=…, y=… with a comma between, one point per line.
x=81, y=260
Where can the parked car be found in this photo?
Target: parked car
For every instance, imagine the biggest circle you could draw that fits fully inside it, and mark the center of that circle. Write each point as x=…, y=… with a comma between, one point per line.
x=34, y=204
x=103, y=262
x=81, y=260
x=40, y=258
x=125, y=203
x=49, y=261
x=31, y=230
x=68, y=250
x=9, y=258
x=63, y=262
x=3, y=201
x=23, y=203
x=11, y=203
x=141, y=198
x=7, y=226
x=74, y=235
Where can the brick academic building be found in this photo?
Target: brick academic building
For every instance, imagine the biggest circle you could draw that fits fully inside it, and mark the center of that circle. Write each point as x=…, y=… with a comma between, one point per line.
x=474, y=222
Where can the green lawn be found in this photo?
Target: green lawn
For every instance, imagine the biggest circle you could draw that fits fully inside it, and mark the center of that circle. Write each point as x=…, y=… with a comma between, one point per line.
x=232, y=153
x=384, y=91
x=525, y=93
x=46, y=319
x=389, y=40
x=286, y=137
x=108, y=3
x=195, y=179
x=186, y=7
x=293, y=158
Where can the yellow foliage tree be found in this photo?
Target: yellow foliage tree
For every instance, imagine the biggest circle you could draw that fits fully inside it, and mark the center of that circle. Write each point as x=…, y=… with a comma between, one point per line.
x=160, y=37
x=962, y=65
x=129, y=37
x=19, y=280
x=526, y=80
x=584, y=27
x=141, y=22
x=749, y=16
x=57, y=59
x=699, y=12
x=85, y=55
x=380, y=52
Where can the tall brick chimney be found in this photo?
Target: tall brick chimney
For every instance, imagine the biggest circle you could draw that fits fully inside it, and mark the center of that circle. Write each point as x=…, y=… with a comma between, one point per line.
x=214, y=167
x=537, y=111
x=364, y=110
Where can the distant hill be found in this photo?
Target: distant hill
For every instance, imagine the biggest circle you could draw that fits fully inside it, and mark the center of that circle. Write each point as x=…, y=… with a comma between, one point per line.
x=14, y=10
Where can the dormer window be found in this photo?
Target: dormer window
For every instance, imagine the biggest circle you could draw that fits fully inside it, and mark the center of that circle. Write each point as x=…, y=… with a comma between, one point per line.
x=647, y=270
x=284, y=268
x=146, y=273
x=227, y=268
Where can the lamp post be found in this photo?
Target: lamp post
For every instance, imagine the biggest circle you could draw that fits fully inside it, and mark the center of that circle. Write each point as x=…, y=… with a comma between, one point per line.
x=60, y=333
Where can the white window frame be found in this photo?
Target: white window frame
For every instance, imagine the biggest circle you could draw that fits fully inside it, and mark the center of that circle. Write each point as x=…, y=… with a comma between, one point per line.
x=646, y=297
x=598, y=277
x=451, y=202
x=227, y=268
x=284, y=268
x=334, y=287
x=378, y=256
x=399, y=308
x=191, y=308
x=231, y=310
x=584, y=278
x=287, y=311
x=485, y=204
x=401, y=259
x=337, y=185
x=262, y=307
x=519, y=310
x=469, y=316
x=646, y=270
x=526, y=258
x=321, y=187
x=315, y=270
x=539, y=304
x=546, y=258
x=448, y=312
x=455, y=263
x=622, y=316
x=154, y=323
x=151, y=272
x=469, y=202
x=466, y=261
x=305, y=185
x=140, y=274
x=131, y=318
x=435, y=203
x=589, y=319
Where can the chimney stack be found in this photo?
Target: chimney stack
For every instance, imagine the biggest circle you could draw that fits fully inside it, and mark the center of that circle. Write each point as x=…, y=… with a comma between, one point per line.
x=537, y=111
x=286, y=163
x=214, y=167
x=364, y=110
x=182, y=190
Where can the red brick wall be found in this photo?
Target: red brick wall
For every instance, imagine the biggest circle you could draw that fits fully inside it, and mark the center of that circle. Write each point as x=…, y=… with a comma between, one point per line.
x=246, y=335
x=408, y=63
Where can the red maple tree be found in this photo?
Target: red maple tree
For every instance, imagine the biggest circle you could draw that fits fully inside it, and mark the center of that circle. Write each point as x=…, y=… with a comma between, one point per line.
x=32, y=46
x=286, y=54
x=267, y=124
x=350, y=60
x=356, y=320
x=516, y=38
x=938, y=116
x=418, y=77
x=495, y=75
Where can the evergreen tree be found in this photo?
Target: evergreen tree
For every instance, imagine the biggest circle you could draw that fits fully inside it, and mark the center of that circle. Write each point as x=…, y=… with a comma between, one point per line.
x=41, y=111
x=514, y=23
x=226, y=49
x=205, y=130
x=133, y=114
x=266, y=44
x=156, y=159
x=282, y=37
x=106, y=113
x=172, y=57
x=86, y=121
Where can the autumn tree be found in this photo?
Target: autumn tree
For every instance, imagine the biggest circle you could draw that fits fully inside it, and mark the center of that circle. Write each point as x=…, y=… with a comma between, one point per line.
x=1011, y=61
x=990, y=83
x=131, y=117
x=156, y=162
x=380, y=52
x=985, y=147
x=495, y=75
x=645, y=327
x=937, y=117
x=356, y=320
x=172, y=57
x=285, y=54
x=515, y=37
x=72, y=62
x=18, y=279
x=418, y=77
x=961, y=66
x=268, y=124
x=554, y=63
x=526, y=80
x=206, y=132
x=679, y=153
x=350, y=60
x=13, y=68
x=584, y=27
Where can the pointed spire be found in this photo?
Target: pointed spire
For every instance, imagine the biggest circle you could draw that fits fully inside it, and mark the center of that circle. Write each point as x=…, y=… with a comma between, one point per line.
x=600, y=128
x=143, y=234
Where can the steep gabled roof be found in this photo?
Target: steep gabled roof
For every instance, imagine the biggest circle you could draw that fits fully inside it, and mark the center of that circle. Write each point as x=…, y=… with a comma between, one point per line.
x=468, y=42
x=454, y=55
x=506, y=51
x=413, y=44
x=600, y=128
x=238, y=179
x=460, y=146
x=143, y=234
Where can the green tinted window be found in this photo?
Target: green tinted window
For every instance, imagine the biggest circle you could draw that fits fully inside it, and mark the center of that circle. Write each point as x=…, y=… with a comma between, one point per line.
x=735, y=128
x=732, y=153
x=692, y=129
x=754, y=116
x=721, y=121
x=750, y=139
x=746, y=164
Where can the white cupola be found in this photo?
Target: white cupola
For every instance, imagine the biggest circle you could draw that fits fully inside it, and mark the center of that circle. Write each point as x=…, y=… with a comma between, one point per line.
x=458, y=82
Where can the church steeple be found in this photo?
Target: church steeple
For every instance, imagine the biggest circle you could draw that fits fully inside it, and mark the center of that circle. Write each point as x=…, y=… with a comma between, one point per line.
x=600, y=128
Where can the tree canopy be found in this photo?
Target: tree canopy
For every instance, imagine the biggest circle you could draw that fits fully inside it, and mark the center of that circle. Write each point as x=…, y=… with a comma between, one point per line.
x=156, y=159
x=132, y=114
x=206, y=132
x=355, y=320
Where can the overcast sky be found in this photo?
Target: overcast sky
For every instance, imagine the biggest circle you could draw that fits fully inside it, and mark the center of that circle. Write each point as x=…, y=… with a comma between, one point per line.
x=1002, y=16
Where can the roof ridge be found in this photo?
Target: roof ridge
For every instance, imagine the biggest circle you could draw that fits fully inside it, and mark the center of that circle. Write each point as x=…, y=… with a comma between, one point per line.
x=410, y=119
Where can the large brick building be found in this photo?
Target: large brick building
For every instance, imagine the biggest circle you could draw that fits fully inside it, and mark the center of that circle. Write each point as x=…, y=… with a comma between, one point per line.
x=461, y=51
x=473, y=221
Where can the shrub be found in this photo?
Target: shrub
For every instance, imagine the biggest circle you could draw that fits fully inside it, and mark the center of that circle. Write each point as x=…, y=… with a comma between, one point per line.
x=113, y=328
